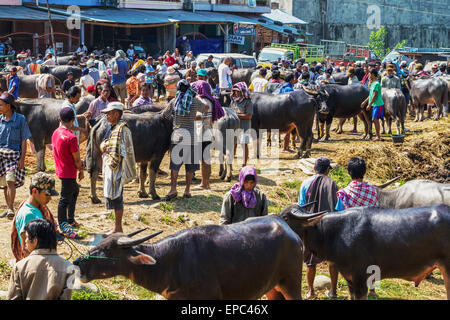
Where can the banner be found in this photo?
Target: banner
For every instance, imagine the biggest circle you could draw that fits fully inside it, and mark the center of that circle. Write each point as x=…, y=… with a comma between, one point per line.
x=235, y=39
x=244, y=29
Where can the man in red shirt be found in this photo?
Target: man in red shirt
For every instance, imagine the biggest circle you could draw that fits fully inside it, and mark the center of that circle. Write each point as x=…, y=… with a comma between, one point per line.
x=170, y=60
x=67, y=162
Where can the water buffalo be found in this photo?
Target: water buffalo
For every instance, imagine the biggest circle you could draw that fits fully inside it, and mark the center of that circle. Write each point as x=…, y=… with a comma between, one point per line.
x=286, y=112
x=404, y=243
x=394, y=108
x=244, y=260
x=229, y=121
x=429, y=91
x=60, y=72
x=27, y=87
x=42, y=117
x=340, y=78
x=151, y=133
x=415, y=193
x=342, y=101
x=239, y=75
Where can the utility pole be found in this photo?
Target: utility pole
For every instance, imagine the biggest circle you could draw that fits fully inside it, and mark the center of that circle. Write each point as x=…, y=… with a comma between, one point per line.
x=51, y=31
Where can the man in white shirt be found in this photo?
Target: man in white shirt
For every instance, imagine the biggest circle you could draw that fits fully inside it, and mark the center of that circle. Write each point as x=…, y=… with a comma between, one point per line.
x=130, y=52
x=85, y=81
x=259, y=83
x=225, y=74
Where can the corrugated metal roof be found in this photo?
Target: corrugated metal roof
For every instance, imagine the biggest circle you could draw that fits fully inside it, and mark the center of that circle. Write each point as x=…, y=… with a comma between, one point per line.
x=205, y=16
x=281, y=16
x=267, y=23
x=25, y=13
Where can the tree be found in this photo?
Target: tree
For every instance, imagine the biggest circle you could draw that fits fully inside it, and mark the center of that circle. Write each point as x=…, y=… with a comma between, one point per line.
x=377, y=43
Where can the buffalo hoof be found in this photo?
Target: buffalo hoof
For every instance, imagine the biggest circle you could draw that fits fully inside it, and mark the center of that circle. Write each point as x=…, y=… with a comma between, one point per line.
x=297, y=156
x=315, y=140
x=95, y=200
x=326, y=138
x=228, y=179
x=223, y=175
x=155, y=197
x=143, y=194
x=436, y=119
x=339, y=131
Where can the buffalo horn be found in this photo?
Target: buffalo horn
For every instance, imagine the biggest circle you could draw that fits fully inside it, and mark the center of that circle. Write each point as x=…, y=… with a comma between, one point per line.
x=327, y=94
x=307, y=217
x=126, y=242
x=136, y=232
x=308, y=204
x=384, y=185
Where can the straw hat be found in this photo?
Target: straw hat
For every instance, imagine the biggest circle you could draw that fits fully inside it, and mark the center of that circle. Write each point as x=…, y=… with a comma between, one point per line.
x=170, y=70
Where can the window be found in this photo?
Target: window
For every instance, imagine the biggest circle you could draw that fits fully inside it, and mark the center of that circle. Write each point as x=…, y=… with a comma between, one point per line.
x=248, y=63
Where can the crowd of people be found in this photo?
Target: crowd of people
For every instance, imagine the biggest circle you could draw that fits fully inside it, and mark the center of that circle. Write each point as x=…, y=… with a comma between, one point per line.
x=129, y=82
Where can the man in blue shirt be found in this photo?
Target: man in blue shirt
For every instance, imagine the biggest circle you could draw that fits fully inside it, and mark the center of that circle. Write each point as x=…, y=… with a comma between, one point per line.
x=14, y=132
x=119, y=75
x=288, y=85
x=13, y=83
x=150, y=74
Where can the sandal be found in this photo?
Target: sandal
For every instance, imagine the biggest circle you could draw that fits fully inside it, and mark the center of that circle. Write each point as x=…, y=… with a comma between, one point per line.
x=170, y=196
x=75, y=224
x=67, y=231
x=3, y=214
x=10, y=214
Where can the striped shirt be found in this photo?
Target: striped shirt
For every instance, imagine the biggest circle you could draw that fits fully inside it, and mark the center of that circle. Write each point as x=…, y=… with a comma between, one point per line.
x=186, y=124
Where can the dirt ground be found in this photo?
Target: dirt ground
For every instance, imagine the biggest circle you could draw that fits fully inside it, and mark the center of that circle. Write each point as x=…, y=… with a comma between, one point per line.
x=425, y=154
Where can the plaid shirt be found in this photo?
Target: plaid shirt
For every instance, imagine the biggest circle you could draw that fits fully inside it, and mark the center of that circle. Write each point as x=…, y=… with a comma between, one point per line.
x=9, y=161
x=358, y=194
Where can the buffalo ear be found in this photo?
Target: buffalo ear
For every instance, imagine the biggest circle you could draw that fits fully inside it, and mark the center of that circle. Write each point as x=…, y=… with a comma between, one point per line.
x=142, y=258
x=313, y=221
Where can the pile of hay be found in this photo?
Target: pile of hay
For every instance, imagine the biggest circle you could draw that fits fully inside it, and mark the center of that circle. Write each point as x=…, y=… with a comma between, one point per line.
x=424, y=157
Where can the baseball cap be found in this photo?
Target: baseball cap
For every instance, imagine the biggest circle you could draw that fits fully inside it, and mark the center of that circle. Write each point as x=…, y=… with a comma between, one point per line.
x=322, y=163
x=434, y=66
x=90, y=88
x=69, y=72
x=8, y=98
x=66, y=114
x=113, y=106
x=13, y=69
x=44, y=182
x=202, y=72
x=193, y=63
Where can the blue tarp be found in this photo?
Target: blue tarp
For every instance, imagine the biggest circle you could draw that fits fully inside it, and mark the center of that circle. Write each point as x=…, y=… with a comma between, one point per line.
x=24, y=13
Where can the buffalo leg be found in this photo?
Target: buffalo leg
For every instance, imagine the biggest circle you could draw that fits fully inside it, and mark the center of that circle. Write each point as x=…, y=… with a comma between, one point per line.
x=383, y=131
x=291, y=288
x=221, y=171
x=40, y=159
x=355, y=124
x=142, y=177
x=274, y=294
x=229, y=172
x=321, y=130
x=389, y=124
x=327, y=128
x=152, y=187
x=94, y=178
x=446, y=274
x=269, y=138
x=339, y=128
x=359, y=288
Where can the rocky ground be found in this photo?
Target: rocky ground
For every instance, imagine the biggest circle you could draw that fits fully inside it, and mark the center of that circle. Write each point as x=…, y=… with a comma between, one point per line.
x=425, y=154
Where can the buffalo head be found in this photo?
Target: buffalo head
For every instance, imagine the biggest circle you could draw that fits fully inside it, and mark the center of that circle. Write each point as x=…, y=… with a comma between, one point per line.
x=116, y=255
x=300, y=220
x=322, y=99
x=225, y=99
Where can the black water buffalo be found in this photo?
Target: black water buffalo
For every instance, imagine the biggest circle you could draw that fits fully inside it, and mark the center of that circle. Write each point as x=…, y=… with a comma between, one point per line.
x=369, y=242
x=285, y=112
x=64, y=60
x=429, y=91
x=340, y=78
x=60, y=72
x=342, y=101
x=415, y=193
x=27, y=87
x=394, y=109
x=42, y=117
x=239, y=261
x=239, y=75
x=151, y=133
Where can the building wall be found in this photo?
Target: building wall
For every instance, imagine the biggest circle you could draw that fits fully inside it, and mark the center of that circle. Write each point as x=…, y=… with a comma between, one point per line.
x=346, y=20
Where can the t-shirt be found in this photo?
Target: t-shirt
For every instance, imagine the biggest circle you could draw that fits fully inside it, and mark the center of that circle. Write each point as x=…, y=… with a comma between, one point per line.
x=13, y=131
x=121, y=76
x=186, y=123
x=149, y=78
x=258, y=84
x=96, y=106
x=25, y=214
x=224, y=76
x=86, y=81
x=64, y=144
x=170, y=61
x=244, y=107
x=67, y=84
x=14, y=82
x=375, y=86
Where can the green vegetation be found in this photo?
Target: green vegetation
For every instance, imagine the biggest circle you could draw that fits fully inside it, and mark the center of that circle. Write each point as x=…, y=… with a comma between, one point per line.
x=50, y=166
x=181, y=218
x=340, y=176
x=111, y=216
x=292, y=184
x=103, y=294
x=377, y=43
x=166, y=207
x=167, y=220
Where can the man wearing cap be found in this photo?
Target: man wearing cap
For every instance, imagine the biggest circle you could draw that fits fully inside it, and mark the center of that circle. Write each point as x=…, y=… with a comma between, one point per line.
x=22, y=63
x=391, y=81
x=191, y=74
x=93, y=71
x=85, y=81
x=42, y=188
x=14, y=132
x=13, y=82
x=170, y=83
x=48, y=60
x=322, y=190
x=188, y=59
x=67, y=161
x=68, y=83
x=202, y=74
x=435, y=71
x=73, y=95
x=150, y=73
x=119, y=164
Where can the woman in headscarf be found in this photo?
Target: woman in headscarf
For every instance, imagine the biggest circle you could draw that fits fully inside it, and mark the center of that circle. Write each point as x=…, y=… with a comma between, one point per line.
x=244, y=200
x=215, y=112
x=242, y=104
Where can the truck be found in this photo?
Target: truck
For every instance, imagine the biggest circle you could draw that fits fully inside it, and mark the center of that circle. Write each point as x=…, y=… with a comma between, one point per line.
x=291, y=52
x=340, y=51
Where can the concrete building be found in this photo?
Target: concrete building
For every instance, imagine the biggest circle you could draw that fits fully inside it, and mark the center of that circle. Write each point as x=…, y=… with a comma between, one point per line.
x=422, y=23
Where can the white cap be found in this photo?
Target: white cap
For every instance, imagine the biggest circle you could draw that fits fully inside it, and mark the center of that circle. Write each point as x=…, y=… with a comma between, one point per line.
x=116, y=105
